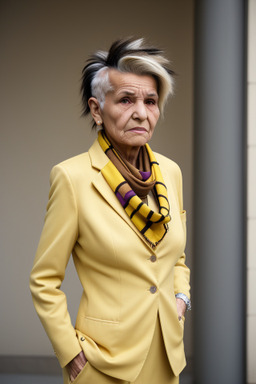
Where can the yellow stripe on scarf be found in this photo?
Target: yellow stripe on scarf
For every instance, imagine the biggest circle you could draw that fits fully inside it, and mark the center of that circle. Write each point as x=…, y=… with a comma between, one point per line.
x=152, y=225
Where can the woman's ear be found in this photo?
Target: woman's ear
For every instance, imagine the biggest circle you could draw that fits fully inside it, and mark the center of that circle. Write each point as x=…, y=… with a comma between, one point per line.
x=95, y=110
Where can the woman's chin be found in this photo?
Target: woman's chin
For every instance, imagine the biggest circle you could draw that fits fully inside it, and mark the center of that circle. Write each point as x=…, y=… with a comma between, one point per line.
x=138, y=140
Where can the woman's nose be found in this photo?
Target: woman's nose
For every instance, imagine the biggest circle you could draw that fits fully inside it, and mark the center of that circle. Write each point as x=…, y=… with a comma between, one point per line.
x=140, y=111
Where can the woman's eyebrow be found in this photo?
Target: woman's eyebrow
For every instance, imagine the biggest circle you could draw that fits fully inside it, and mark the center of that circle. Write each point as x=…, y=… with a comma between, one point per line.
x=152, y=94
x=127, y=93
x=132, y=93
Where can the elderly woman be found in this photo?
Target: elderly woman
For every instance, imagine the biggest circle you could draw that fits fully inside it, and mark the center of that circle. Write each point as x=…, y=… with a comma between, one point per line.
x=118, y=210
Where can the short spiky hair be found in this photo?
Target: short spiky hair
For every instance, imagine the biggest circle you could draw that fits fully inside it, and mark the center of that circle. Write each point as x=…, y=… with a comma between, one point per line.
x=128, y=55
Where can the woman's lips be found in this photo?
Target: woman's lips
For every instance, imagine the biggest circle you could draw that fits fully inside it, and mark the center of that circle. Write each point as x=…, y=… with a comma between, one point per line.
x=138, y=129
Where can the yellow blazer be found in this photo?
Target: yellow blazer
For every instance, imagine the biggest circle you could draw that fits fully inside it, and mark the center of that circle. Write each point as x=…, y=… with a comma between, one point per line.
x=126, y=283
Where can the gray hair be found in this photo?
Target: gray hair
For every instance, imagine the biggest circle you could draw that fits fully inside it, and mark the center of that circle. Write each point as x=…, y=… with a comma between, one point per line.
x=128, y=55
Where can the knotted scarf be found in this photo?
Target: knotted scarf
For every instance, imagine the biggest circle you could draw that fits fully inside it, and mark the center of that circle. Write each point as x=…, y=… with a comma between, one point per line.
x=131, y=185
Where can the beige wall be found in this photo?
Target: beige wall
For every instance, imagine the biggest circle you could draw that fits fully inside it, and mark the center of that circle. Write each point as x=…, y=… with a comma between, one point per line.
x=251, y=207
x=43, y=48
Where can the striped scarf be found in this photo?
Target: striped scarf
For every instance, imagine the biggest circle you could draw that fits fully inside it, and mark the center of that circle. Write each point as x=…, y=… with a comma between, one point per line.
x=152, y=225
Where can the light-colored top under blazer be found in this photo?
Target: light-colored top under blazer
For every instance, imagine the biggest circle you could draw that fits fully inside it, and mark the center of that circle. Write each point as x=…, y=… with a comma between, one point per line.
x=124, y=287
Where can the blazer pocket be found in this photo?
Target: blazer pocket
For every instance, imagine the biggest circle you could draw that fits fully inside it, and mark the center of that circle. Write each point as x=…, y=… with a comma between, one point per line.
x=105, y=333
x=101, y=320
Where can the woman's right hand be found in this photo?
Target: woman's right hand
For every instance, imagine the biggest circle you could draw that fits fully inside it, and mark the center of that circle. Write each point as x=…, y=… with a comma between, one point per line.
x=76, y=365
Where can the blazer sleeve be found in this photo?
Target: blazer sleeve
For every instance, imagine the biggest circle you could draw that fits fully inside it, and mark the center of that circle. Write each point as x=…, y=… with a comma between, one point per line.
x=57, y=240
x=181, y=271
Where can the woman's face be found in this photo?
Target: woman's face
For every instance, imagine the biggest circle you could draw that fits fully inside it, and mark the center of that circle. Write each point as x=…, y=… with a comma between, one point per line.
x=130, y=111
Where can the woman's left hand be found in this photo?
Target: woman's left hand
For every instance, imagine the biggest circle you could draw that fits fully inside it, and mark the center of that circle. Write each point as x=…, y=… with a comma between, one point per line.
x=76, y=365
x=181, y=308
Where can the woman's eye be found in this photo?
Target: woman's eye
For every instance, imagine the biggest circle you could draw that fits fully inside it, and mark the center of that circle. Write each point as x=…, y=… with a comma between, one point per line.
x=151, y=102
x=125, y=100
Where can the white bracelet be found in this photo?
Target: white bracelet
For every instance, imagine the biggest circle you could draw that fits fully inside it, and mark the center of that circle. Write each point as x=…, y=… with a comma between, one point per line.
x=186, y=300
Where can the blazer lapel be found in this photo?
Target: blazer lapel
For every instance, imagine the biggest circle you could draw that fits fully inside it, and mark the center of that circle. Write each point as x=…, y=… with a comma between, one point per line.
x=99, y=160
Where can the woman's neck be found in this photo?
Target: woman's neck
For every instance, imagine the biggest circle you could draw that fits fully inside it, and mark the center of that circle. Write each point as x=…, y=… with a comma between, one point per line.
x=130, y=154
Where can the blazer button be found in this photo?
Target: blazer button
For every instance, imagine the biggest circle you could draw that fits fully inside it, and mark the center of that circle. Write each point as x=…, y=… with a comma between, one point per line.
x=153, y=258
x=82, y=338
x=153, y=289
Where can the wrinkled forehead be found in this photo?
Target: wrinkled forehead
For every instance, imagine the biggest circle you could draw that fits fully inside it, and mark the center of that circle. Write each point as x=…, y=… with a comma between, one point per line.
x=132, y=83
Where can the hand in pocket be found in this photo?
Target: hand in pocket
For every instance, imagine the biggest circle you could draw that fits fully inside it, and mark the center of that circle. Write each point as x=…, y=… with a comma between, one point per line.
x=76, y=365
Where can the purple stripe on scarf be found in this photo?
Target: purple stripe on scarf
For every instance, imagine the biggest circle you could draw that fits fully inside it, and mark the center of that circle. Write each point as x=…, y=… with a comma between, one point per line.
x=128, y=195
x=145, y=175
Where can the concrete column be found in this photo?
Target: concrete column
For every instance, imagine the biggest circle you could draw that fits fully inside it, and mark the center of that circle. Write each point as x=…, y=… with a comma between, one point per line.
x=219, y=192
